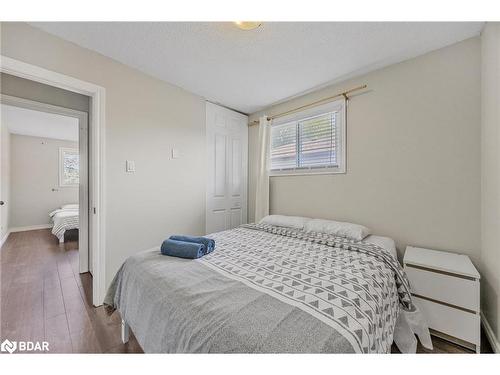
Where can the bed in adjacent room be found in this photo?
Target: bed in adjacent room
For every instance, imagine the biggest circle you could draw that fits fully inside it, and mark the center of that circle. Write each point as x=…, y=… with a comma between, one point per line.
x=64, y=219
x=270, y=288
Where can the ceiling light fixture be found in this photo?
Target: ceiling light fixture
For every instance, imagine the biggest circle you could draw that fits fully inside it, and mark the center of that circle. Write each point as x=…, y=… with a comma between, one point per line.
x=247, y=25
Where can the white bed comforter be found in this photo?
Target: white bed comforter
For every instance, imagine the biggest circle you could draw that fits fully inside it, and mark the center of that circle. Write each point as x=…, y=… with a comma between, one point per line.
x=64, y=219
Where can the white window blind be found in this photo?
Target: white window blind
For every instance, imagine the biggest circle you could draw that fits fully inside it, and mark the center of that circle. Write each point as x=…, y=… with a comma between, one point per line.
x=308, y=143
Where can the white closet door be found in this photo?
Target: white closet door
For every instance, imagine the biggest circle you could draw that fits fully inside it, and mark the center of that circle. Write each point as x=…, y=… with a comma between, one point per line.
x=227, y=165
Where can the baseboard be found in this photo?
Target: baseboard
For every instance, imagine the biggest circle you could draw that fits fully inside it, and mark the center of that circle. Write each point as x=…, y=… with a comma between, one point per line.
x=2, y=241
x=30, y=227
x=495, y=344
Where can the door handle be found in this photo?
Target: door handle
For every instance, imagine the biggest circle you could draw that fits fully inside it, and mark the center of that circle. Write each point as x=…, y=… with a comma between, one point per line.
x=2, y=203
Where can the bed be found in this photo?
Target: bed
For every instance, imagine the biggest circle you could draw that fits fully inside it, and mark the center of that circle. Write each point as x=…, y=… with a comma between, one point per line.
x=269, y=289
x=64, y=219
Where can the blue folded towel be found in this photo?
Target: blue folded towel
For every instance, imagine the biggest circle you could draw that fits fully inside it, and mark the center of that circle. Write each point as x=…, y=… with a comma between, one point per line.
x=189, y=250
x=208, y=243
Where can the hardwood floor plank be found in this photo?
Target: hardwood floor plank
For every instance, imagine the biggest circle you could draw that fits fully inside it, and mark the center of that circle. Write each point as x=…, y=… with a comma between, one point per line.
x=79, y=321
x=53, y=306
x=132, y=346
x=57, y=334
x=85, y=341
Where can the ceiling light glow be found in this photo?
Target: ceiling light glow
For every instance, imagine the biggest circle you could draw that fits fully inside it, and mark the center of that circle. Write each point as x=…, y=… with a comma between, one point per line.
x=247, y=25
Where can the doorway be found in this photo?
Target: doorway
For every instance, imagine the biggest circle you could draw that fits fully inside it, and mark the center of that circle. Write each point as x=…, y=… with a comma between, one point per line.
x=47, y=172
x=96, y=127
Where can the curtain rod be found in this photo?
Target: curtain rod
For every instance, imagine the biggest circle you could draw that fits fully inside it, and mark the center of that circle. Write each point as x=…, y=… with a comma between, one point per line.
x=313, y=104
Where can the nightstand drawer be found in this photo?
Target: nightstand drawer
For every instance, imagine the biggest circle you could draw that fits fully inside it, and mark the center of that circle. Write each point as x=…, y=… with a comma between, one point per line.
x=457, y=323
x=454, y=290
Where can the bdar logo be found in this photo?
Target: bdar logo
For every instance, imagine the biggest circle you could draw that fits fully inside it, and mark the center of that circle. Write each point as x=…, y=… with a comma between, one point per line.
x=8, y=346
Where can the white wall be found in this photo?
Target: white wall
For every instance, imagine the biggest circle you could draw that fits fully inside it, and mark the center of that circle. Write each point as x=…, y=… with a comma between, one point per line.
x=34, y=169
x=490, y=176
x=145, y=118
x=413, y=154
x=4, y=178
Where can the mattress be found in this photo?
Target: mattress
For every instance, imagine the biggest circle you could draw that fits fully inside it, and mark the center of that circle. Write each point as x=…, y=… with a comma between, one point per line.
x=264, y=289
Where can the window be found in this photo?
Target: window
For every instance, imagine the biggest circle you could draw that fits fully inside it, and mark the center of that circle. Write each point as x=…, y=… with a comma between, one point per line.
x=69, y=167
x=310, y=141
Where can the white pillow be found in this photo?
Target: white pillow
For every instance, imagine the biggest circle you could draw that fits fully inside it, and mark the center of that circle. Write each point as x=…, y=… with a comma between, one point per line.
x=384, y=242
x=297, y=222
x=337, y=228
x=70, y=206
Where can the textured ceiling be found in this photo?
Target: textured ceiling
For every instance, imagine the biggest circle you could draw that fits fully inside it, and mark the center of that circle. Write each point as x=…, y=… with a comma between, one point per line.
x=250, y=70
x=39, y=124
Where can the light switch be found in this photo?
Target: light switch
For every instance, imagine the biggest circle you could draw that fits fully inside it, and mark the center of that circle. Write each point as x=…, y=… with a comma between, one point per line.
x=130, y=166
x=176, y=153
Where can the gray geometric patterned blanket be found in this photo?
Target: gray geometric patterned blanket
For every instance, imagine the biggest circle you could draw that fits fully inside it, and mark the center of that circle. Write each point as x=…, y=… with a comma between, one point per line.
x=378, y=252
x=264, y=289
x=353, y=286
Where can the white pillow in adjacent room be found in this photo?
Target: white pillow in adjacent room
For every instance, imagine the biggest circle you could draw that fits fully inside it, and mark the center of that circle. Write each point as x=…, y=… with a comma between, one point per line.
x=70, y=207
x=337, y=228
x=297, y=222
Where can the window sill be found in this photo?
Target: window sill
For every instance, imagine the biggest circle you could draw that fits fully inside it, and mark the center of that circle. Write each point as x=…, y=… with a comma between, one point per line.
x=306, y=172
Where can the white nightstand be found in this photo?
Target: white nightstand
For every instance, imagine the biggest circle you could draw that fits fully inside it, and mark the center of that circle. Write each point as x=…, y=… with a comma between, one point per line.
x=445, y=286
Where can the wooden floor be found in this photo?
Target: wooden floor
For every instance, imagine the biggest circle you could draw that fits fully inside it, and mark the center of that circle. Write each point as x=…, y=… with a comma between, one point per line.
x=44, y=298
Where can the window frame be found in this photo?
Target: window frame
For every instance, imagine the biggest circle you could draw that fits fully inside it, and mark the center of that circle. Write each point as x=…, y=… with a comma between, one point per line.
x=339, y=106
x=62, y=151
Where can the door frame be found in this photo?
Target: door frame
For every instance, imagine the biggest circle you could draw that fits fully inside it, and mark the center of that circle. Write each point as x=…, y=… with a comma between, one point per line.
x=96, y=129
x=83, y=189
